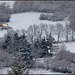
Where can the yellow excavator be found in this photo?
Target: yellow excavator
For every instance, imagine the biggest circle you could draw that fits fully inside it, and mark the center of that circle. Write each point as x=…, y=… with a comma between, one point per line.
x=3, y=23
x=3, y=27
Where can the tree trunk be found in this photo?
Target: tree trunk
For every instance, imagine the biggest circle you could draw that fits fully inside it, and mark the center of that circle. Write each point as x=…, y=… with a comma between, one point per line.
x=72, y=36
x=67, y=36
x=58, y=36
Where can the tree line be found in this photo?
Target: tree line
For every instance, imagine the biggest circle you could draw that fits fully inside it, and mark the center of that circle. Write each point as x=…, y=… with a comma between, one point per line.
x=23, y=52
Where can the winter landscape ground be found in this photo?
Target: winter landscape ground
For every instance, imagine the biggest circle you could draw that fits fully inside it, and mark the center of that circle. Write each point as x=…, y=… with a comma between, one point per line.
x=23, y=21
x=37, y=37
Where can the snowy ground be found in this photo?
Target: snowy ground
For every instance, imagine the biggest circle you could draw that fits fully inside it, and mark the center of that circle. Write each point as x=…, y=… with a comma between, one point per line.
x=31, y=71
x=24, y=20
x=70, y=46
x=42, y=71
x=5, y=70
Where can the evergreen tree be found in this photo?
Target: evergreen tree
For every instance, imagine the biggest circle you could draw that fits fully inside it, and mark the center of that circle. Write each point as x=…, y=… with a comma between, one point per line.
x=16, y=42
x=25, y=48
x=19, y=66
x=50, y=41
x=37, y=49
x=44, y=46
x=7, y=44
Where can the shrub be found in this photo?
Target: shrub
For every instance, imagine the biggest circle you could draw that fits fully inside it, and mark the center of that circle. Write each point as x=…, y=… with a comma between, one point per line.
x=5, y=59
x=42, y=63
x=63, y=66
x=57, y=16
x=64, y=61
x=44, y=17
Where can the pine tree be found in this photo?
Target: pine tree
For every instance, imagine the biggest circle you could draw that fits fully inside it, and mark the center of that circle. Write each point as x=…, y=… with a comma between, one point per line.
x=44, y=46
x=7, y=44
x=25, y=48
x=16, y=42
x=23, y=59
x=19, y=66
x=50, y=41
x=37, y=49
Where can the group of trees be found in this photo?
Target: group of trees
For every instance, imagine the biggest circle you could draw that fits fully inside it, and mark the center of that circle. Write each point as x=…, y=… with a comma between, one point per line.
x=27, y=41
x=13, y=43
x=16, y=43
x=44, y=47
x=41, y=6
x=20, y=49
x=57, y=16
x=4, y=13
x=58, y=31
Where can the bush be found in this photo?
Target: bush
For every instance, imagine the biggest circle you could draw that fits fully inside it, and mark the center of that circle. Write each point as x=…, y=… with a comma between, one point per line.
x=57, y=16
x=44, y=17
x=63, y=66
x=64, y=61
x=42, y=63
x=5, y=59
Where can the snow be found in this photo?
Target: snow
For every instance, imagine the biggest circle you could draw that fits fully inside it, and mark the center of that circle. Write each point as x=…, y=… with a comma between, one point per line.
x=24, y=20
x=31, y=71
x=5, y=70
x=42, y=71
x=70, y=46
x=2, y=33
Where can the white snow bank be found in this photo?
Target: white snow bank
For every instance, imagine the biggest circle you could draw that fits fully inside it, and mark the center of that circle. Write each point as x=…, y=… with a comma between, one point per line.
x=5, y=70
x=42, y=71
x=31, y=71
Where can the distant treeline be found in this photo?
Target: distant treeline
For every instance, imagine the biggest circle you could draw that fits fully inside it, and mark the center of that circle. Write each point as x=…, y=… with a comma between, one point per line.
x=42, y=6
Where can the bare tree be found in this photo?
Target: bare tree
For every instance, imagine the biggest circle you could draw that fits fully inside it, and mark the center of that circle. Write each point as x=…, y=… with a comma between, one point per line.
x=59, y=29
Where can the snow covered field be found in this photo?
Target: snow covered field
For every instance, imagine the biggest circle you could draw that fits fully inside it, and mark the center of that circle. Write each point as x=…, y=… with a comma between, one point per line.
x=24, y=20
x=70, y=46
